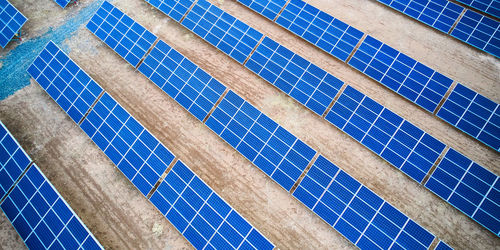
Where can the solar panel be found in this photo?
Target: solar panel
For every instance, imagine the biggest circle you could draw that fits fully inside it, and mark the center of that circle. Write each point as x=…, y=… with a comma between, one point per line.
x=222, y=30
x=63, y=3
x=399, y=142
x=442, y=246
x=491, y=7
x=175, y=9
x=356, y=212
x=13, y=160
x=121, y=33
x=267, y=8
x=319, y=28
x=400, y=73
x=270, y=147
x=439, y=14
x=305, y=82
x=11, y=21
x=135, y=151
x=202, y=216
x=479, y=31
x=64, y=81
x=180, y=78
x=469, y=187
x=42, y=217
x=474, y=114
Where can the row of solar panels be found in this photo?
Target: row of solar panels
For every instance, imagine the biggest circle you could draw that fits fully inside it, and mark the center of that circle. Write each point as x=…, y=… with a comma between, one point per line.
x=464, y=108
x=351, y=208
x=37, y=211
x=11, y=21
x=201, y=215
x=390, y=136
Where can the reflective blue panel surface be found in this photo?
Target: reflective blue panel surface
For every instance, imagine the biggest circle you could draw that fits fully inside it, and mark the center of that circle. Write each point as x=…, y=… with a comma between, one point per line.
x=11, y=21
x=442, y=246
x=63, y=3
x=70, y=86
x=268, y=8
x=491, y=7
x=201, y=215
x=175, y=9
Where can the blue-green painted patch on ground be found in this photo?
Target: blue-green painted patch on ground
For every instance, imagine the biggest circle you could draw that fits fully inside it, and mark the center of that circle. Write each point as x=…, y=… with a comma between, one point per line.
x=13, y=75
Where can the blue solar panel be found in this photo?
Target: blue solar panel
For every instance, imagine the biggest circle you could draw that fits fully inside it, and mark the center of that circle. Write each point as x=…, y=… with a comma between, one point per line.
x=469, y=187
x=11, y=21
x=136, y=152
x=356, y=212
x=63, y=3
x=319, y=28
x=267, y=8
x=474, y=114
x=399, y=142
x=13, y=160
x=42, y=217
x=201, y=215
x=305, y=82
x=125, y=36
x=175, y=9
x=262, y=141
x=442, y=246
x=65, y=81
x=491, y=7
x=479, y=31
x=439, y=14
x=180, y=78
x=222, y=30
x=400, y=73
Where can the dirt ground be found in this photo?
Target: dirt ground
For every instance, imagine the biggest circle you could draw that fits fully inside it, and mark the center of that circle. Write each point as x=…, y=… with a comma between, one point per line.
x=121, y=218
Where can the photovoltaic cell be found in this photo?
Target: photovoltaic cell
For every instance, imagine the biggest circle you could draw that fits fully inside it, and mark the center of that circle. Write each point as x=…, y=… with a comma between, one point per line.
x=479, y=31
x=399, y=142
x=13, y=160
x=63, y=3
x=11, y=21
x=305, y=82
x=491, y=7
x=439, y=14
x=474, y=114
x=277, y=152
x=175, y=9
x=42, y=217
x=356, y=212
x=121, y=33
x=222, y=30
x=135, y=151
x=201, y=215
x=469, y=187
x=442, y=246
x=180, y=78
x=400, y=73
x=319, y=28
x=64, y=81
x=267, y=8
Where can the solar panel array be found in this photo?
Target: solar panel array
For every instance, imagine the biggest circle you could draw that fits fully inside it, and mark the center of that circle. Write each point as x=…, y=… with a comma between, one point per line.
x=469, y=187
x=268, y=8
x=11, y=21
x=273, y=149
x=13, y=160
x=305, y=82
x=474, y=114
x=65, y=81
x=356, y=212
x=121, y=33
x=137, y=153
x=222, y=30
x=317, y=27
x=201, y=215
x=42, y=217
x=175, y=9
x=439, y=14
x=400, y=73
x=442, y=246
x=479, y=31
x=390, y=136
x=185, y=82
x=491, y=7
x=63, y=3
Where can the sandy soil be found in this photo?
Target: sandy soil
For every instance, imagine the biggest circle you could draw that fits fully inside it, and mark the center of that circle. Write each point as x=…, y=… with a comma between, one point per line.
x=121, y=218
